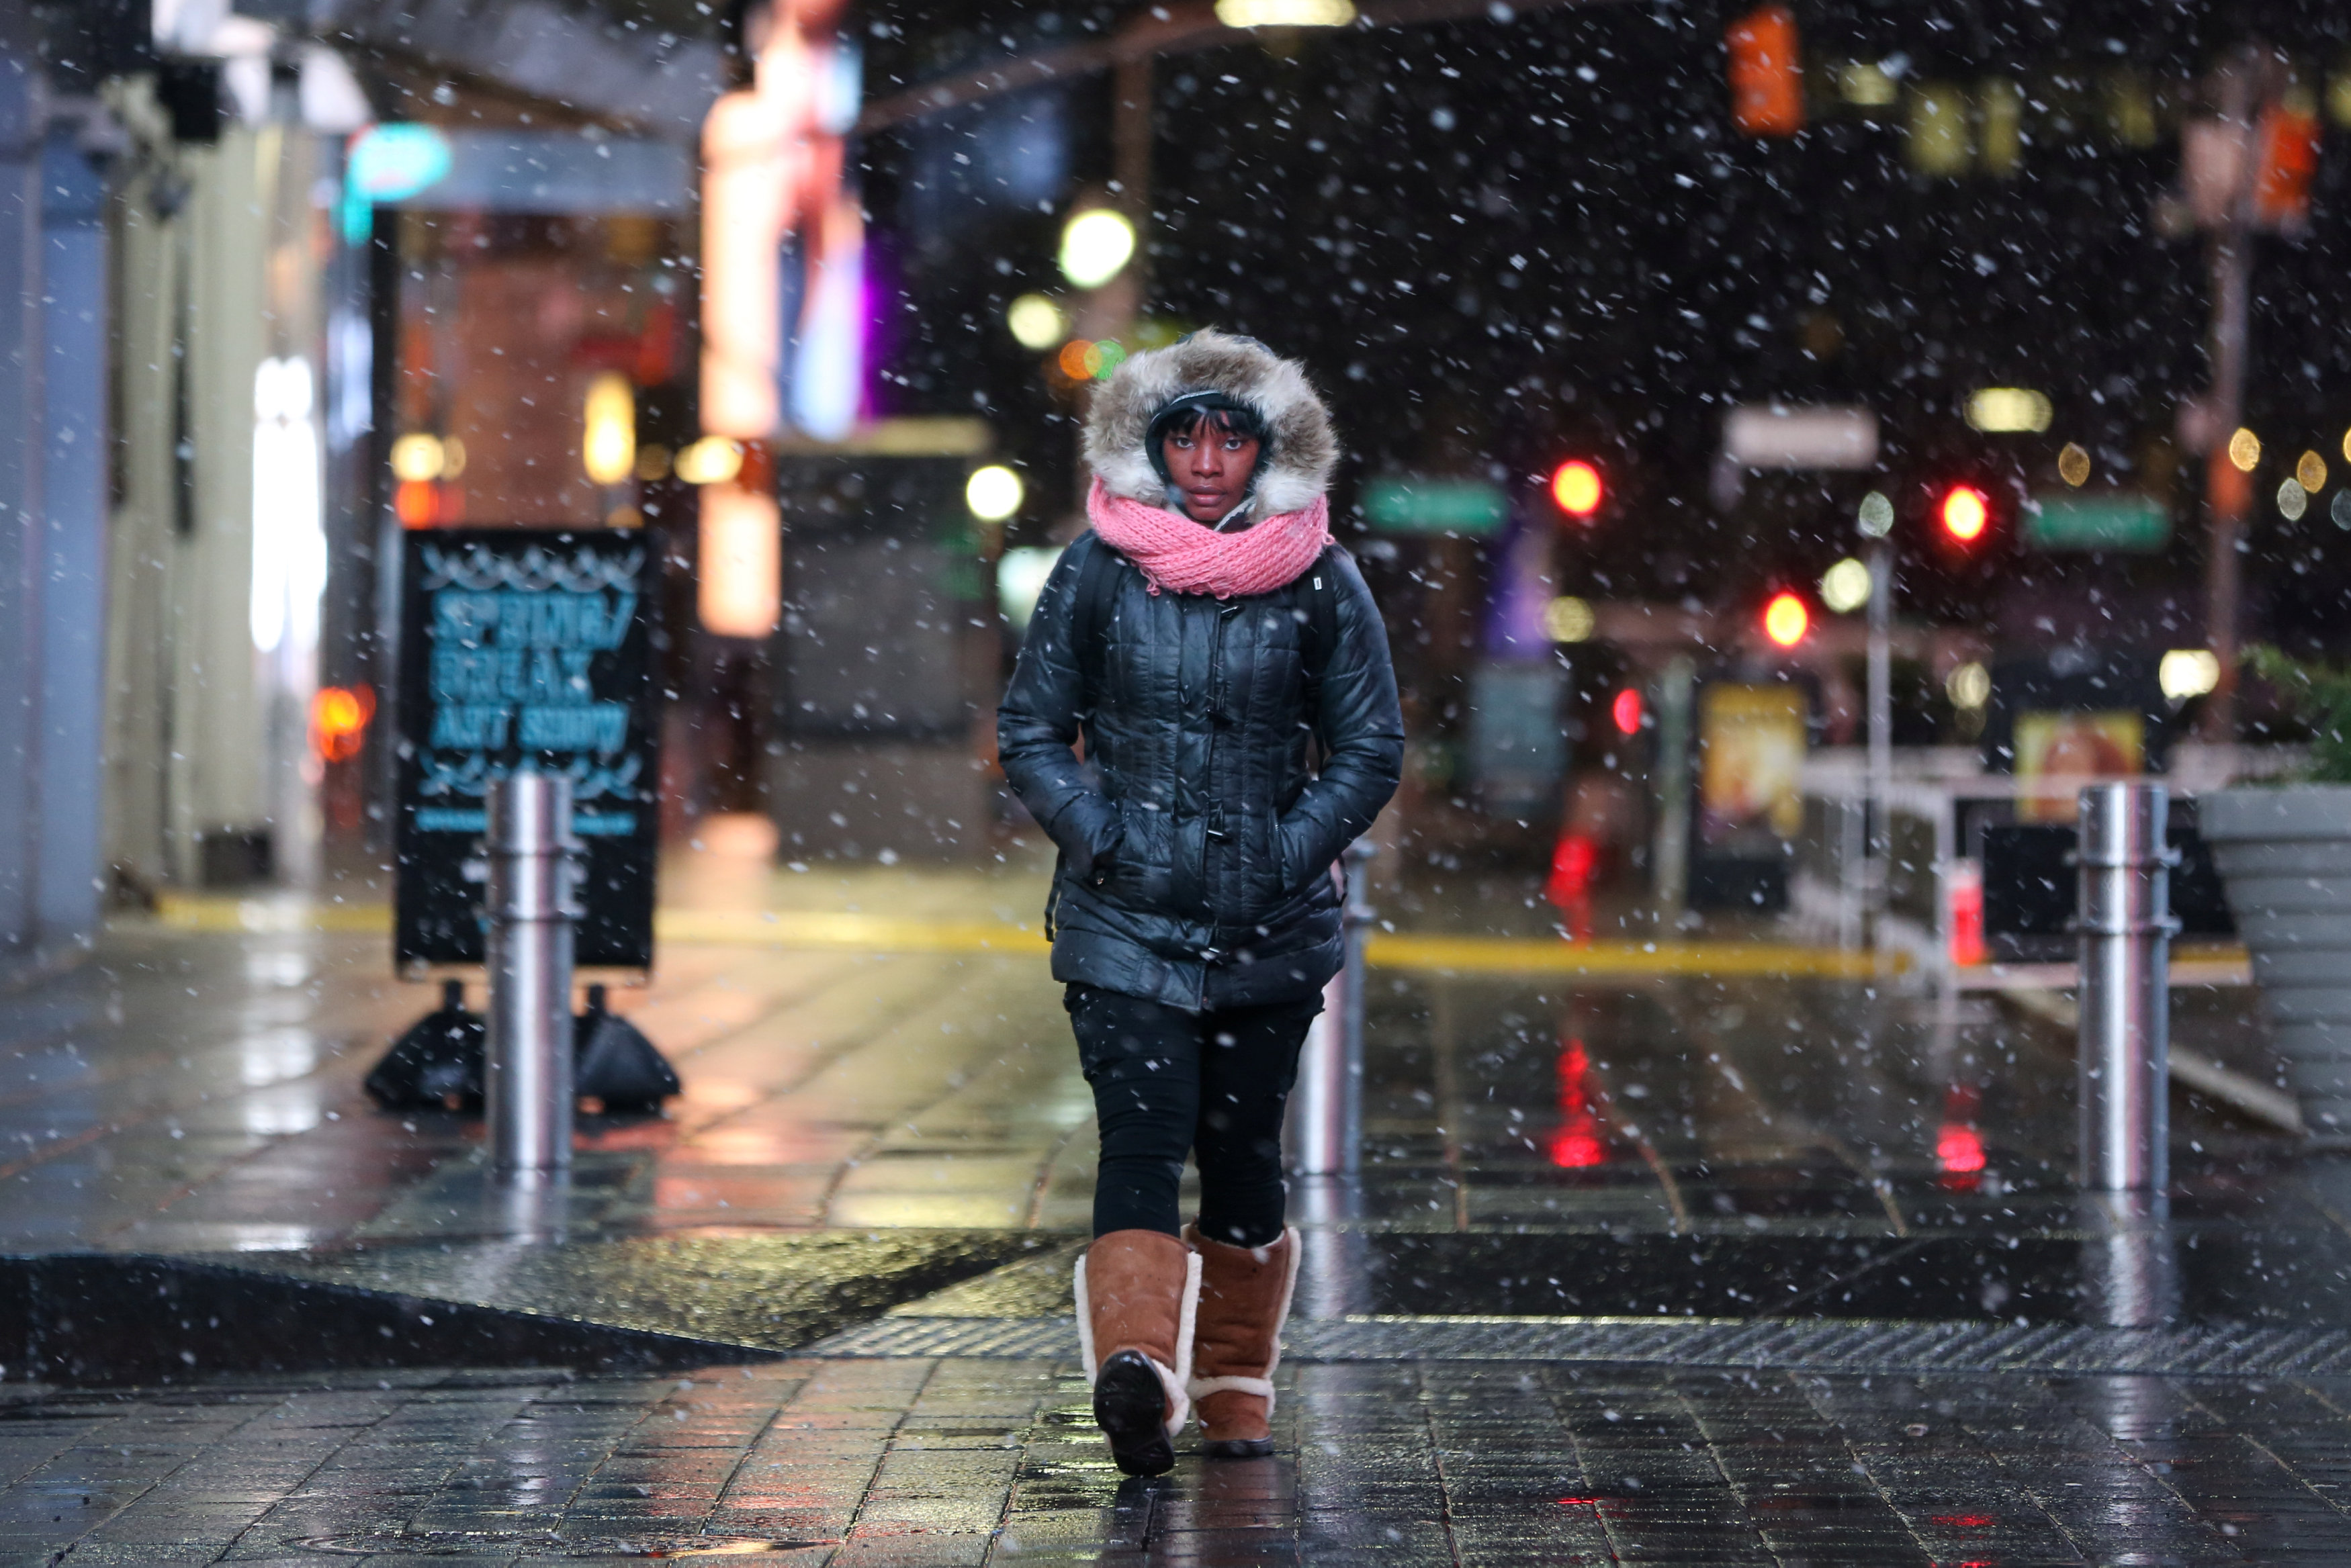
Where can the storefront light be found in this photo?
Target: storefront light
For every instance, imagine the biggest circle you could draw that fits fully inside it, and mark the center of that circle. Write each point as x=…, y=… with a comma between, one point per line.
x=1285, y=13
x=608, y=447
x=416, y=456
x=741, y=590
x=2008, y=410
x=713, y=460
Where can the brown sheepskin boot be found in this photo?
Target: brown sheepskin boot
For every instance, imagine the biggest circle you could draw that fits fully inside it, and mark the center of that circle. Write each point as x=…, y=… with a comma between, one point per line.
x=1137, y=1292
x=1244, y=1297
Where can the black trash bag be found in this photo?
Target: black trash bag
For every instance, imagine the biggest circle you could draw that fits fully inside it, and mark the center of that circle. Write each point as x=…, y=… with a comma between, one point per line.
x=616, y=1063
x=437, y=1064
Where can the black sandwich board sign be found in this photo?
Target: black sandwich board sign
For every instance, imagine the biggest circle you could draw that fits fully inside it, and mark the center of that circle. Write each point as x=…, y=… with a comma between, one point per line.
x=526, y=646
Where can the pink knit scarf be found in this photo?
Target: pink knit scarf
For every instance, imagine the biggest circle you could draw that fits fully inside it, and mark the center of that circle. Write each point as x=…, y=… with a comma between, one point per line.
x=1174, y=552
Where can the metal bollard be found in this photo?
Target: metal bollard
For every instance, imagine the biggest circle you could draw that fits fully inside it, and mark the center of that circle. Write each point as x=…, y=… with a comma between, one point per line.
x=2126, y=1026
x=1329, y=1114
x=533, y=901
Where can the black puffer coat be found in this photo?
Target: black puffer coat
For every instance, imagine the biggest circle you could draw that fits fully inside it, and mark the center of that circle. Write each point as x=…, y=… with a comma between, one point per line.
x=1196, y=844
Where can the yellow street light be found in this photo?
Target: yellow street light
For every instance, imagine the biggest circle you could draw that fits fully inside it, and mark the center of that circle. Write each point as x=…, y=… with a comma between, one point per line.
x=1036, y=321
x=1570, y=619
x=2187, y=672
x=1095, y=244
x=1844, y=588
x=993, y=492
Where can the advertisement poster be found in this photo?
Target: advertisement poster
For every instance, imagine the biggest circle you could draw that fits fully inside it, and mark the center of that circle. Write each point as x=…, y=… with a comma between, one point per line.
x=2056, y=753
x=1750, y=767
x=526, y=646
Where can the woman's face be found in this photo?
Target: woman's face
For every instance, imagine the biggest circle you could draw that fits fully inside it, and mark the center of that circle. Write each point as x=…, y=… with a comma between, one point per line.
x=1212, y=468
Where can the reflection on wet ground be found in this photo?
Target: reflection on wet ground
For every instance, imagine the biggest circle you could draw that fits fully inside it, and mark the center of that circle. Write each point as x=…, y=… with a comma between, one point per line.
x=1769, y=1271
x=1676, y=1144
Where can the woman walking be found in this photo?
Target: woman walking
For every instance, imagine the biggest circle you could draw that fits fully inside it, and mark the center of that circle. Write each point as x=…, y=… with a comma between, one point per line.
x=1202, y=636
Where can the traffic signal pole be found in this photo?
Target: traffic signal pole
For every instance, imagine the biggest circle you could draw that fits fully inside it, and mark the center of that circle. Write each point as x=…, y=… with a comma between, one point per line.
x=1881, y=730
x=2227, y=490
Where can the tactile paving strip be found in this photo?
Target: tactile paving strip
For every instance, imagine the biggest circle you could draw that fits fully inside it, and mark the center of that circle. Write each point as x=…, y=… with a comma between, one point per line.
x=1842, y=1344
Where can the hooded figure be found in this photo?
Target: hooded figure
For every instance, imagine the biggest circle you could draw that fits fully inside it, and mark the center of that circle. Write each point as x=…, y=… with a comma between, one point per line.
x=1209, y=642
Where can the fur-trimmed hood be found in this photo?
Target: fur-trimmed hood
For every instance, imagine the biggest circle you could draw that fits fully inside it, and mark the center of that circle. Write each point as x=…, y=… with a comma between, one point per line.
x=1304, y=448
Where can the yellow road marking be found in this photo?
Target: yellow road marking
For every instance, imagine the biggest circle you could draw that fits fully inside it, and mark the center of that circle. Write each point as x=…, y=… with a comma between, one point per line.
x=887, y=933
x=215, y=913
x=823, y=928
x=1525, y=955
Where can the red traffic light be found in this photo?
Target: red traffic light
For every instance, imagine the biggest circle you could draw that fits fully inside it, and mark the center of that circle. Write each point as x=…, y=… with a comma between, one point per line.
x=1576, y=485
x=1626, y=710
x=1787, y=619
x=1964, y=512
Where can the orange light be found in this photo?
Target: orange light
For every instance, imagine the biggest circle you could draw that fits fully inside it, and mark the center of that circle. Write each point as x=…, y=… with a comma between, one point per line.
x=417, y=504
x=1786, y=620
x=1577, y=486
x=1079, y=359
x=1965, y=514
x=1626, y=710
x=338, y=721
x=1767, y=84
x=2289, y=145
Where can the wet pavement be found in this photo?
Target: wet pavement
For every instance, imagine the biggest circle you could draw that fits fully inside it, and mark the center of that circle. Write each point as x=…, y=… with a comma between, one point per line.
x=951, y=1461
x=1797, y=1254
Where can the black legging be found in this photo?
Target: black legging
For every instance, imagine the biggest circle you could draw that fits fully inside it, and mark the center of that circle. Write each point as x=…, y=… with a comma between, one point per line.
x=1167, y=1082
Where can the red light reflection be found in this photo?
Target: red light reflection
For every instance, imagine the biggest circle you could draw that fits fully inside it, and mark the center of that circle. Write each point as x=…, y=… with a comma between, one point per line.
x=1577, y=1145
x=1574, y=864
x=1958, y=1150
x=1959, y=1147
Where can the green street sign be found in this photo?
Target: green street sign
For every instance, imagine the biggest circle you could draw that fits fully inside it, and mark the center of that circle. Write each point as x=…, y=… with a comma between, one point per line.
x=2096, y=523
x=1408, y=504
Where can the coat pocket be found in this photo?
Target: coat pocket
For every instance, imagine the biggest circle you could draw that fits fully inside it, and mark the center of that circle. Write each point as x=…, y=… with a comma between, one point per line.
x=1138, y=878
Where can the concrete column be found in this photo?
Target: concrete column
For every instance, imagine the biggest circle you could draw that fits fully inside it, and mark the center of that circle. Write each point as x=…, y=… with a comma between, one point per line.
x=21, y=450
x=73, y=550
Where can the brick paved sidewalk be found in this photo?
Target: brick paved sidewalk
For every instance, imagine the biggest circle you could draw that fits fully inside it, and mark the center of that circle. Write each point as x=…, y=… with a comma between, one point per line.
x=955, y=1461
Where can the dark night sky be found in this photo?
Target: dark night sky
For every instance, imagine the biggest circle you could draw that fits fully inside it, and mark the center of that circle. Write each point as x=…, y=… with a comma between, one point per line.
x=1496, y=242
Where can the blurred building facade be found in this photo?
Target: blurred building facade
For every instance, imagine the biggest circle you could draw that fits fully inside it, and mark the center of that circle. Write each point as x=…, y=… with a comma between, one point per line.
x=769, y=283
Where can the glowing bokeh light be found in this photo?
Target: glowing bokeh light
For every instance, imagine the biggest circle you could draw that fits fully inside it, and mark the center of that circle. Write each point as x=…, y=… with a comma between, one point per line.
x=1095, y=245
x=1844, y=588
x=1576, y=485
x=993, y=492
x=1037, y=323
x=1786, y=619
x=1965, y=514
x=1626, y=711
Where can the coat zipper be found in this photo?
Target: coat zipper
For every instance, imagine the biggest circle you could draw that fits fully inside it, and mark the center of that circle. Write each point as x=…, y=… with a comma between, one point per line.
x=1214, y=828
